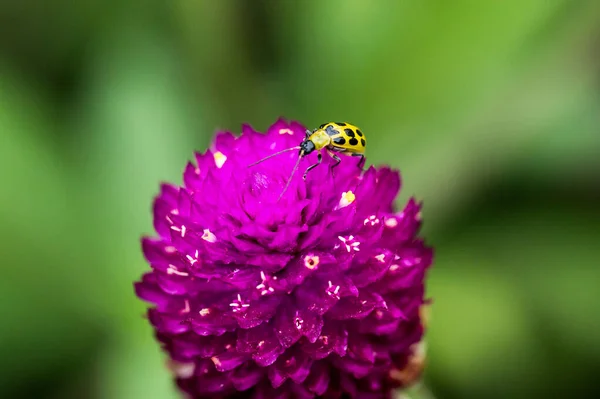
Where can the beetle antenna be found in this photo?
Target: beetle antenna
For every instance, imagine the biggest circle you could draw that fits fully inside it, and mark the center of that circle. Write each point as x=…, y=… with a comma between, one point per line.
x=272, y=155
x=287, y=184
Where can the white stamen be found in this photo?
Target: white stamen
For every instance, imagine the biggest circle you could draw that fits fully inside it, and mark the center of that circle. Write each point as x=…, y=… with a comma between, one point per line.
x=391, y=222
x=373, y=220
x=333, y=291
x=238, y=305
x=220, y=159
x=182, y=370
x=204, y=312
x=298, y=322
x=347, y=198
x=209, y=236
x=192, y=260
x=311, y=262
x=286, y=131
x=381, y=258
x=170, y=249
x=263, y=287
x=173, y=270
x=350, y=246
x=182, y=230
x=187, y=307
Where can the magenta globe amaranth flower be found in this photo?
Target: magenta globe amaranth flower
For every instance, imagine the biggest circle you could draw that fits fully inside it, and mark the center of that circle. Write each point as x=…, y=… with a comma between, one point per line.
x=315, y=295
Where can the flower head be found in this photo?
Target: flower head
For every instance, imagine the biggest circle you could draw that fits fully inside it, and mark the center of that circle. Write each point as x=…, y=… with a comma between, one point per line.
x=313, y=295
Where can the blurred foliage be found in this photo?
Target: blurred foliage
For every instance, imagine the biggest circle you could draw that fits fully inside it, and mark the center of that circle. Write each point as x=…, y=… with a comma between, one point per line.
x=490, y=110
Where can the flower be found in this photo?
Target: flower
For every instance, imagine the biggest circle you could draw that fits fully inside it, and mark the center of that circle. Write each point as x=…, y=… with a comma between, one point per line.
x=317, y=294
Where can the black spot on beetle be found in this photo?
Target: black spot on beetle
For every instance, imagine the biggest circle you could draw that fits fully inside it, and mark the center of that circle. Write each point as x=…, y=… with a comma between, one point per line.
x=349, y=132
x=339, y=140
x=359, y=133
x=331, y=131
x=353, y=141
x=322, y=126
x=363, y=142
x=340, y=123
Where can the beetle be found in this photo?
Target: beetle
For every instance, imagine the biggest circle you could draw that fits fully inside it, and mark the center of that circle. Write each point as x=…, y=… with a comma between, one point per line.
x=334, y=137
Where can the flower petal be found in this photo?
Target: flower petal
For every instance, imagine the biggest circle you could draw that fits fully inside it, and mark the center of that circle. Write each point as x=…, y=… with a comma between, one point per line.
x=315, y=291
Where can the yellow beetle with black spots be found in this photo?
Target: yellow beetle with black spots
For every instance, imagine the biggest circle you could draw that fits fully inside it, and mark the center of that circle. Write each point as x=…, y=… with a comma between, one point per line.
x=334, y=137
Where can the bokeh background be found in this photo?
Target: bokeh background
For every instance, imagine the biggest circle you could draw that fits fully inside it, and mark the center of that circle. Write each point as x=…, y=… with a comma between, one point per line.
x=490, y=109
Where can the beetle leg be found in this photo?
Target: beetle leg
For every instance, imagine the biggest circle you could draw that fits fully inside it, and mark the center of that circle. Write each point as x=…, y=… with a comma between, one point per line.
x=336, y=158
x=311, y=167
x=361, y=163
x=308, y=133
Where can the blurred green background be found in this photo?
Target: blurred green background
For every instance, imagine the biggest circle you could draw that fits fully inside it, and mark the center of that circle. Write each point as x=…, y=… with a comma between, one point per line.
x=489, y=108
